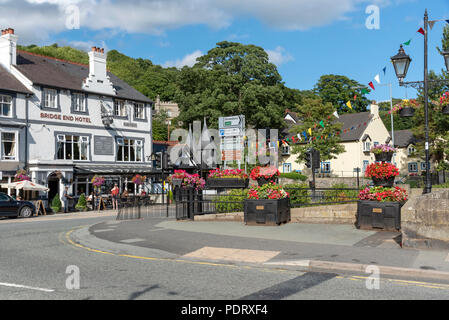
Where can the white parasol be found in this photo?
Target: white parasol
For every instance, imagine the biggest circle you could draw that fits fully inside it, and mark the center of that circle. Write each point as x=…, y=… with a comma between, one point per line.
x=25, y=185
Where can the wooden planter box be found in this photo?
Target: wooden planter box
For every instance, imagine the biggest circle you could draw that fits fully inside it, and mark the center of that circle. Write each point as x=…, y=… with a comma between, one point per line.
x=228, y=183
x=384, y=156
x=263, y=181
x=374, y=215
x=267, y=212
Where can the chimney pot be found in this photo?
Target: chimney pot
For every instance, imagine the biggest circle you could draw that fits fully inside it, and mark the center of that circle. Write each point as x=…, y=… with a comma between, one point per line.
x=94, y=48
x=11, y=31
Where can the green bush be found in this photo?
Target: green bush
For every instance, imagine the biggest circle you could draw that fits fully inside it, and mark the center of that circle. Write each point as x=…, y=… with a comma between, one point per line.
x=442, y=186
x=56, y=204
x=82, y=203
x=340, y=195
x=294, y=176
x=299, y=193
x=232, y=201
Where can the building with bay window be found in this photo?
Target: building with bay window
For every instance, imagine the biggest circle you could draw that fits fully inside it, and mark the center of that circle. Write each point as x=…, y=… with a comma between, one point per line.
x=66, y=122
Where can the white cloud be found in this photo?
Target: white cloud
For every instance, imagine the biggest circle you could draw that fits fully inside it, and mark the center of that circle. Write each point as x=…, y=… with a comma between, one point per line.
x=278, y=56
x=38, y=19
x=188, y=60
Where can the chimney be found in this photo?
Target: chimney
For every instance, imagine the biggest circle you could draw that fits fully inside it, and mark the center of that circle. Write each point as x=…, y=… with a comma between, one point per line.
x=8, y=48
x=374, y=109
x=98, y=80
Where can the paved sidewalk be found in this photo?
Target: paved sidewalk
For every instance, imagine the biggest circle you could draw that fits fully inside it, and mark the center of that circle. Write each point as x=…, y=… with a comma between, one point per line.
x=62, y=216
x=322, y=246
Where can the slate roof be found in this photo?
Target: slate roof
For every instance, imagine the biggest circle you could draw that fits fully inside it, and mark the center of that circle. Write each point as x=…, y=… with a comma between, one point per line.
x=48, y=71
x=349, y=120
x=10, y=83
x=403, y=138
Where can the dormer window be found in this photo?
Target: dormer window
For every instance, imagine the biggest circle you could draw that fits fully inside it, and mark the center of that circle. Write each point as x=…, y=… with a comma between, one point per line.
x=50, y=98
x=285, y=150
x=411, y=150
x=366, y=146
x=120, y=108
x=5, y=106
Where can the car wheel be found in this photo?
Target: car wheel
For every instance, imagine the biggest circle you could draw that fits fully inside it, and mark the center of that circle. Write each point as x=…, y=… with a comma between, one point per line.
x=26, y=212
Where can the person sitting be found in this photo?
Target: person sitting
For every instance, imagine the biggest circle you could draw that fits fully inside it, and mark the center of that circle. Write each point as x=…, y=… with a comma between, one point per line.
x=125, y=194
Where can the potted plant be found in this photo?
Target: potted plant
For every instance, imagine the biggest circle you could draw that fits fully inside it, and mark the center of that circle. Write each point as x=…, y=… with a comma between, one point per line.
x=382, y=173
x=406, y=107
x=383, y=152
x=380, y=208
x=444, y=102
x=268, y=204
x=97, y=183
x=56, y=204
x=177, y=178
x=229, y=178
x=82, y=203
x=264, y=175
x=21, y=175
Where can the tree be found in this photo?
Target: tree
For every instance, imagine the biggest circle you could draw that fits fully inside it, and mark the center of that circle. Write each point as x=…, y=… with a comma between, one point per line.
x=400, y=123
x=233, y=79
x=311, y=113
x=159, y=126
x=338, y=90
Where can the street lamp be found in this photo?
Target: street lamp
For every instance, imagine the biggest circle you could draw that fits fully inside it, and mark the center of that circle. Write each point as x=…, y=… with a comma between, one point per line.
x=401, y=62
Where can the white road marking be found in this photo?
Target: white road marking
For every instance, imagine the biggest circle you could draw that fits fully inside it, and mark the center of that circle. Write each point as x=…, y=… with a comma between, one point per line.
x=132, y=240
x=297, y=263
x=104, y=230
x=24, y=287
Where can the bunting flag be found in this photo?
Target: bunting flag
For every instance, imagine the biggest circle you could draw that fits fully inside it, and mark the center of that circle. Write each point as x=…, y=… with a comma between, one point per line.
x=310, y=131
x=408, y=42
x=299, y=137
x=349, y=105
x=322, y=123
x=447, y=21
x=336, y=115
x=431, y=24
x=377, y=78
x=371, y=85
x=365, y=91
x=384, y=70
x=304, y=134
x=421, y=30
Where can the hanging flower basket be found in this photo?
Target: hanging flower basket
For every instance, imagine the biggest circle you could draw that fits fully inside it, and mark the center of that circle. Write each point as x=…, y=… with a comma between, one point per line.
x=406, y=108
x=444, y=102
x=21, y=175
x=264, y=175
x=383, y=152
x=182, y=179
x=383, y=170
x=138, y=179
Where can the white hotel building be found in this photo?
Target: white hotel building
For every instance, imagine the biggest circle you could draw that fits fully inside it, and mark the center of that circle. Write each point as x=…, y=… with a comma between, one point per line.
x=65, y=122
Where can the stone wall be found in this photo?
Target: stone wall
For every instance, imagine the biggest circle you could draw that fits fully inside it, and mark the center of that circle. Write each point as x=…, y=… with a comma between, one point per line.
x=426, y=217
x=328, y=182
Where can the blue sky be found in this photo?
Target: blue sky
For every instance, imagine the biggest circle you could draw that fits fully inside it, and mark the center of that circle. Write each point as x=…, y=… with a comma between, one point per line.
x=306, y=39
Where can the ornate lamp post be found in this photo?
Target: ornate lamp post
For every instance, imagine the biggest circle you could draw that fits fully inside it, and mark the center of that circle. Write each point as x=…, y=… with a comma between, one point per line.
x=401, y=63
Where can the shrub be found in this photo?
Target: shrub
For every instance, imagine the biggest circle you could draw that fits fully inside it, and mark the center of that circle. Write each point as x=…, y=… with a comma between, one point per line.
x=232, y=201
x=56, y=204
x=294, y=176
x=82, y=203
x=268, y=191
x=338, y=194
x=299, y=193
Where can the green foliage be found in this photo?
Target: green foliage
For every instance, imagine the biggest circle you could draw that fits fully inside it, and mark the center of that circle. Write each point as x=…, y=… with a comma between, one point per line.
x=294, y=176
x=299, y=193
x=338, y=90
x=56, y=204
x=442, y=186
x=231, y=79
x=232, y=201
x=64, y=53
x=312, y=112
x=82, y=203
x=159, y=126
x=338, y=195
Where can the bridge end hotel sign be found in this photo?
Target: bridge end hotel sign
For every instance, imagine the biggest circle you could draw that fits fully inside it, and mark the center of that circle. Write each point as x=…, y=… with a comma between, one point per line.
x=52, y=116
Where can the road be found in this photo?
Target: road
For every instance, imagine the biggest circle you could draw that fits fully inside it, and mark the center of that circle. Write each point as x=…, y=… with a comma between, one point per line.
x=36, y=254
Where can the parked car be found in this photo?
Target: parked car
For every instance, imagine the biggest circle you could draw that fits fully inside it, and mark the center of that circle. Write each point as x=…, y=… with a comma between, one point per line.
x=13, y=208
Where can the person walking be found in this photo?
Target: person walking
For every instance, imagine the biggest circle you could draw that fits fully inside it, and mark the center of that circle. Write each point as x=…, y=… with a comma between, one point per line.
x=114, y=195
x=65, y=199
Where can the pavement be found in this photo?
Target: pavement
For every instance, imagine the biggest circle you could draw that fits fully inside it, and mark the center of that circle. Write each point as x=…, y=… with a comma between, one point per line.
x=307, y=247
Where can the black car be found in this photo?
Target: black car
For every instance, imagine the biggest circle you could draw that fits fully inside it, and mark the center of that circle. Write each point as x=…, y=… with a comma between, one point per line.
x=12, y=208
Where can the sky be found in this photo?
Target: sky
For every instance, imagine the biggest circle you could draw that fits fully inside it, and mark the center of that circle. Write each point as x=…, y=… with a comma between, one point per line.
x=304, y=38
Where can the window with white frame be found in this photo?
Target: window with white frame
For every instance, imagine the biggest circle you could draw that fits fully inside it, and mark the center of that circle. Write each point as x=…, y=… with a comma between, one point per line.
x=71, y=147
x=129, y=150
x=411, y=150
x=5, y=106
x=50, y=98
x=139, y=111
x=9, y=146
x=285, y=150
x=120, y=108
x=287, y=167
x=78, y=102
x=413, y=167
x=366, y=146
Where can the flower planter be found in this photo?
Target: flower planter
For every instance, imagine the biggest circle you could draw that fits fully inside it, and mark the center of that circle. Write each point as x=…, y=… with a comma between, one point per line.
x=384, y=156
x=378, y=215
x=262, y=181
x=446, y=109
x=407, y=112
x=383, y=182
x=267, y=212
x=227, y=183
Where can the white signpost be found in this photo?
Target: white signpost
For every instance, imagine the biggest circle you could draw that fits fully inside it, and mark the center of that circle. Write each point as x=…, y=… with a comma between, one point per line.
x=231, y=131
